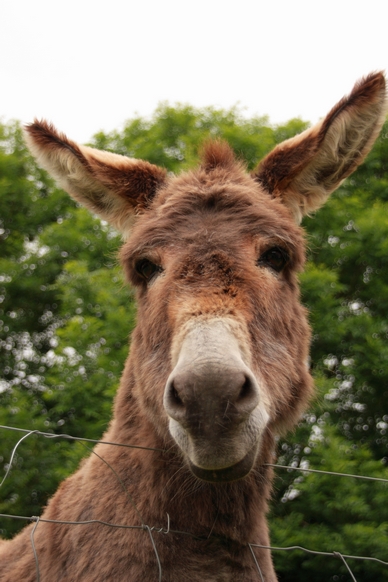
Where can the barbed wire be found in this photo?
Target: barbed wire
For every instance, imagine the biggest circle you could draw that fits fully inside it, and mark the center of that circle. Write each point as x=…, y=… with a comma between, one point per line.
x=153, y=529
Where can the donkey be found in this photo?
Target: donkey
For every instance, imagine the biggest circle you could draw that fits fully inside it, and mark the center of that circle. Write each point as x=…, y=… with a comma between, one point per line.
x=218, y=360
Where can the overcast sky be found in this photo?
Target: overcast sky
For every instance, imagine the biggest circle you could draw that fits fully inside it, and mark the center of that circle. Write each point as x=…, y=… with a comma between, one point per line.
x=88, y=65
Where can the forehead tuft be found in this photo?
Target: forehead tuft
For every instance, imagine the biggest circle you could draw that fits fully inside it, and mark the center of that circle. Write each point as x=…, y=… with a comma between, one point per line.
x=217, y=154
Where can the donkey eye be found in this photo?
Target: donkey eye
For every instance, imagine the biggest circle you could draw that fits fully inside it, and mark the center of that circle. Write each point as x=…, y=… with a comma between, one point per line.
x=276, y=258
x=147, y=269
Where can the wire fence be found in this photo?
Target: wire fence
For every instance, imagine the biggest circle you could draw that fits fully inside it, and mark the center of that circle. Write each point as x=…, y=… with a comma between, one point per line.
x=152, y=529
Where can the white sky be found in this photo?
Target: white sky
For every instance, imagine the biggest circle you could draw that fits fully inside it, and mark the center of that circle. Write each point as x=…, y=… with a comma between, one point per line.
x=88, y=65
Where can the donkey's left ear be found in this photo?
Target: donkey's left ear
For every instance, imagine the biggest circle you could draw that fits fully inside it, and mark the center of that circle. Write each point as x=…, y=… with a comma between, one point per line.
x=113, y=186
x=304, y=170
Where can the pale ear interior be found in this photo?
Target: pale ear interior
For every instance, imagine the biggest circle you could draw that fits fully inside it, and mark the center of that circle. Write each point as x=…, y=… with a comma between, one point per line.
x=306, y=169
x=113, y=186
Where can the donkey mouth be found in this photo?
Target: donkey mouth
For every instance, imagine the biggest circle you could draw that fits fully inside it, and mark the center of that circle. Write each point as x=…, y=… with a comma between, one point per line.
x=227, y=474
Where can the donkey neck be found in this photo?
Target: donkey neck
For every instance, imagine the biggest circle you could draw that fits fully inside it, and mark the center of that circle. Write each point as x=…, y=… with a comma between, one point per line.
x=233, y=510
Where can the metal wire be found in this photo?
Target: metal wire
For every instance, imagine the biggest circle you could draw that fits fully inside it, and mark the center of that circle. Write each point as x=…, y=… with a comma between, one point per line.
x=256, y=562
x=34, y=549
x=276, y=466
x=50, y=435
x=150, y=529
x=121, y=483
x=13, y=454
x=327, y=472
x=147, y=528
x=315, y=552
x=154, y=529
x=346, y=564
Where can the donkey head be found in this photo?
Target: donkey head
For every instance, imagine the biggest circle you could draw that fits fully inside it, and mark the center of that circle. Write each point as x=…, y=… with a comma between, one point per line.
x=219, y=356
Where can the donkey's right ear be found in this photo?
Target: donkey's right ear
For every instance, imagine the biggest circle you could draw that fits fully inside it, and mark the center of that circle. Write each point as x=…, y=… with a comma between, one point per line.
x=303, y=171
x=114, y=187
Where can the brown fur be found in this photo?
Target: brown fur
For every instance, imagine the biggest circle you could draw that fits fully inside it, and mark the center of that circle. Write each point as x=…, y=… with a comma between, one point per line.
x=209, y=233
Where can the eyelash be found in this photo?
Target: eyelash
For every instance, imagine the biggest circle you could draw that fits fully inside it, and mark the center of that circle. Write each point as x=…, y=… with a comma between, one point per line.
x=275, y=258
x=147, y=269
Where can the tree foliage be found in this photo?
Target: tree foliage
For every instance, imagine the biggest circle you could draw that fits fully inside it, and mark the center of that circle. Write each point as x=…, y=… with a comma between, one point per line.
x=65, y=317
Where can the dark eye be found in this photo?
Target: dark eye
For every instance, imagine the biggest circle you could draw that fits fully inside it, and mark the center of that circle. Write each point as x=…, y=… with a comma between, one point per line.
x=276, y=258
x=147, y=269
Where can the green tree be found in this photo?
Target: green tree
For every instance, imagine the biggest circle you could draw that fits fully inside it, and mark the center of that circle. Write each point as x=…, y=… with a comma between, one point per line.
x=326, y=513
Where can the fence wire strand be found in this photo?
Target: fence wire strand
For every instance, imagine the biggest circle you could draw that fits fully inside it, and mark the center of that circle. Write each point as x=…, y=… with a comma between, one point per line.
x=68, y=437
x=333, y=473
x=275, y=465
x=120, y=481
x=34, y=549
x=13, y=454
x=317, y=553
x=256, y=562
x=346, y=564
x=150, y=530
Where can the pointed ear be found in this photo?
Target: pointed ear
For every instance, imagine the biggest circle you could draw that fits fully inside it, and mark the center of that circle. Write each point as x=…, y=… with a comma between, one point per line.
x=113, y=186
x=304, y=170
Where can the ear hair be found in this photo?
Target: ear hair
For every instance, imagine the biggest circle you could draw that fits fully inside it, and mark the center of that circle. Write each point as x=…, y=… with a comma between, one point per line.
x=304, y=170
x=111, y=185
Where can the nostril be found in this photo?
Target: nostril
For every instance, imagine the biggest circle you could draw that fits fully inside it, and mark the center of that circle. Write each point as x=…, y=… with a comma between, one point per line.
x=173, y=402
x=245, y=390
x=174, y=397
x=248, y=395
